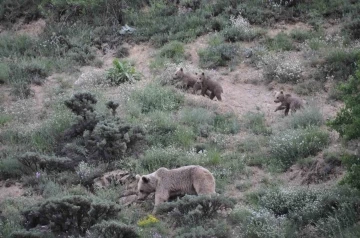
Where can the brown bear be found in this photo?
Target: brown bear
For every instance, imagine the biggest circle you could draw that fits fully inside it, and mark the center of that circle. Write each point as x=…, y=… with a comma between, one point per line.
x=192, y=179
x=287, y=102
x=197, y=87
x=187, y=79
x=208, y=84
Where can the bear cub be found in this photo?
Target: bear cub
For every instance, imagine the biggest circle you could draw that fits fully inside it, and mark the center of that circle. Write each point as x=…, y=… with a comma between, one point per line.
x=166, y=183
x=187, y=79
x=288, y=102
x=208, y=84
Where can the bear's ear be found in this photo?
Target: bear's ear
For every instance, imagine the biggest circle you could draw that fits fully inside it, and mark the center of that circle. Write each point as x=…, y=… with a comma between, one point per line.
x=137, y=177
x=145, y=179
x=181, y=69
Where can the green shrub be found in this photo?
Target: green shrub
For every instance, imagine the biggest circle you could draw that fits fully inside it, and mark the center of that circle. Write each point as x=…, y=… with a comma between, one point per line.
x=27, y=234
x=110, y=229
x=184, y=136
x=122, y=72
x=155, y=97
x=308, y=87
x=10, y=167
x=169, y=157
x=341, y=63
x=34, y=162
x=4, y=73
x=218, y=53
x=281, y=68
x=233, y=34
x=300, y=35
x=309, y=116
x=290, y=145
x=11, y=209
x=70, y=214
x=17, y=45
x=195, y=209
x=173, y=50
x=352, y=29
x=162, y=127
x=352, y=164
x=347, y=121
x=281, y=42
x=255, y=122
x=258, y=223
x=226, y=123
x=306, y=206
x=216, y=228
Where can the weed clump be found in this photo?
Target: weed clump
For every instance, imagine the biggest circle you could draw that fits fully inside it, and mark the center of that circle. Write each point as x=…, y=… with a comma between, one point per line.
x=122, y=72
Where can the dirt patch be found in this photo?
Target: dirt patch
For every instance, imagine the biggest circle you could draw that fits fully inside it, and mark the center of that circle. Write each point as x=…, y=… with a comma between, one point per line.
x=192, y=49
x=10, y=189
x=141, y=55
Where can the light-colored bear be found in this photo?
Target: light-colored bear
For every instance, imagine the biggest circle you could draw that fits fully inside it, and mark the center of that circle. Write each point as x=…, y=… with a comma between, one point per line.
x=192, y=180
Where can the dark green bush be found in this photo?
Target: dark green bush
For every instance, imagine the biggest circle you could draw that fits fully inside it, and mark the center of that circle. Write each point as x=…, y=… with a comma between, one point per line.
x=216, y=228
x=353, y=29
x=218, y=55
x=233, y=34
x=71, y=214
x=281, y=42
x=305, y=206
x=173, y=50
x=341, y=63
x=195, y=209
x=34, y=162
x=102, y=138
x=113, y=229
x=347, y=121
x=27, y=234
x=352, y=164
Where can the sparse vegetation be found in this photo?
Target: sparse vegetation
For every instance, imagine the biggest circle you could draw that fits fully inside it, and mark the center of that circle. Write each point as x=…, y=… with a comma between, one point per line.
x=64, y=127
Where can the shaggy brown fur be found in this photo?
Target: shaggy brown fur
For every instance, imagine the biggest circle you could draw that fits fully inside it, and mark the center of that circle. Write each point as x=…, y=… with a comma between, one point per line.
x=187, y=79
x=208, y=84
x=192, y=179
x=197, y=87
x=287, y=102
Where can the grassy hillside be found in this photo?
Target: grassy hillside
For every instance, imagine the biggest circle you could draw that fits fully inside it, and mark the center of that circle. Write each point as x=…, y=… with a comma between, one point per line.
x=87, y=88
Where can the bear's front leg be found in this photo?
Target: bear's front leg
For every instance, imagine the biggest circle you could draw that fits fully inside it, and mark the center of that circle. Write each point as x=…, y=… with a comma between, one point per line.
x=281, y=107
x=160, y=197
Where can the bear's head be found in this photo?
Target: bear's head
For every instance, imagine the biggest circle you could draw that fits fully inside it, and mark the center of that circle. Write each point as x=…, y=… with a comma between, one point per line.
x=201, y=77
x=146, y=185
x=279, y=96
x=179, y=74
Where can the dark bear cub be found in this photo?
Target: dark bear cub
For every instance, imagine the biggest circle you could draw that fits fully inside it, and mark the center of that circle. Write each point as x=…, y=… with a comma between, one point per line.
x=288, y=102
x=208, y=84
